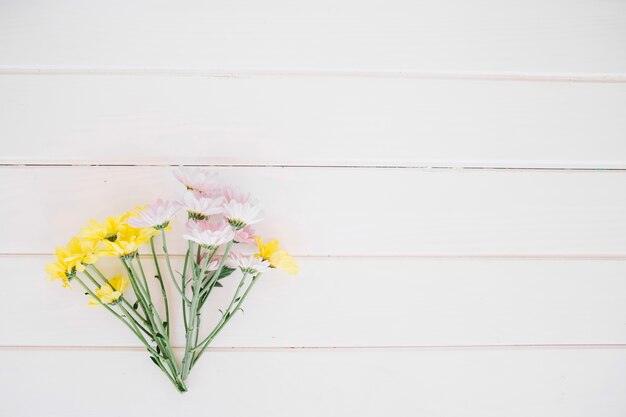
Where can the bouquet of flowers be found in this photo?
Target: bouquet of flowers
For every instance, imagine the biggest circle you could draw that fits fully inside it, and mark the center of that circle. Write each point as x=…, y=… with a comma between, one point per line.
x=220, y=241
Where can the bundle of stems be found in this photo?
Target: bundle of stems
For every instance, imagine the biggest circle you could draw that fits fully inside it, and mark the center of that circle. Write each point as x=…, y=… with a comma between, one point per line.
x=217, y=232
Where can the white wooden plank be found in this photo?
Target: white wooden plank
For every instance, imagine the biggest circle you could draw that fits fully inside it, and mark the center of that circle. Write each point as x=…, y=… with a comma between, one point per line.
x=482, y=383
x=311, y=121
x=535, y=36
x=344, y=212
x=355, y=302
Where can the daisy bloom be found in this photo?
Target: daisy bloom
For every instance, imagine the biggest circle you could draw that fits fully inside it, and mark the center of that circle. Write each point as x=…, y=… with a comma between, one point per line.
x=157, y=215
x=240, y=215
x=58, y=271
x=247, y=263
x=278, y=259
x=78, y=253
x=128, y=241
x=108, y=229
x=110, y=294
x=209, y=235
x=233, y=193
x=199, y=206
x=197, y=179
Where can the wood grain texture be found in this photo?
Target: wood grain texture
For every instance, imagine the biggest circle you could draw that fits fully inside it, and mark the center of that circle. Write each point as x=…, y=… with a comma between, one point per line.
x=345, y=212
x=485, y=35
x=77, y=119
x=540, y=383
x=353, y=302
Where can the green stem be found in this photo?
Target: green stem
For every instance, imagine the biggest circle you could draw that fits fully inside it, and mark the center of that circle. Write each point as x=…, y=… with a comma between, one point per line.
x=143, y=274
x=138, y=290
x=122, y=298
x=217, y=273
x=225, y=319
x=182, y=282
x=186, y=364
x=154, y=318
x=180, y=385
x=163, y=292
x=169, y=266
x=227, y=311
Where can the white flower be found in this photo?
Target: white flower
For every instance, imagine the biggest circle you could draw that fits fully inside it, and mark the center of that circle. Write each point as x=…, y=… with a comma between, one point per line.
x=157, y=215
x=248, y=264
x=240, y=215
x=198, y=206
x=209, y=235
x=197, y=179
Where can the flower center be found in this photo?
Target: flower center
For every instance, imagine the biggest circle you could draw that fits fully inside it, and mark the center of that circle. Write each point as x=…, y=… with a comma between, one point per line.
x=195, y=216
x=237, y=224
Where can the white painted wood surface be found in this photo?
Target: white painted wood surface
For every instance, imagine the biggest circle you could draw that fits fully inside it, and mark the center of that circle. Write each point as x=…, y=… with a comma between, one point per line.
x=398, y=35
x=449, y=174
x=364, y=382
x=311, y=121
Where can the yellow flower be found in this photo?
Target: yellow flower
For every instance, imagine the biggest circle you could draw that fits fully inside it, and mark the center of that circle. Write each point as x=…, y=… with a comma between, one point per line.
x=72, y=258
x=58, y=271
x=128, y=241
x=77, y=254
x=106, y=230
x=110, y=293
x=277, y=258
x=97, y=231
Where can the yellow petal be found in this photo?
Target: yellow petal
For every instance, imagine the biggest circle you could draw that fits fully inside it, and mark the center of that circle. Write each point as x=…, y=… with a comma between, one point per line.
x=93, y=302
x=282, y=260
x=266, y=249
x=119, y=283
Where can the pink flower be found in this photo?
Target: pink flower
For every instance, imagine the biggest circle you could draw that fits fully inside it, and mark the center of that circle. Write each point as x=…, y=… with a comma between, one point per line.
x=157, y=215
x=198, y=206
x=209, y=235
x=248, y=264
x=197, y=179
x=240, y=215
x=233, y=193
x=245, y=235
x=215, y=263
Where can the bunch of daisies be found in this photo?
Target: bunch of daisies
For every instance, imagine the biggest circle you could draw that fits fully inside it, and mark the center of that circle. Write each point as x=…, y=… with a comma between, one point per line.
x=220, y=241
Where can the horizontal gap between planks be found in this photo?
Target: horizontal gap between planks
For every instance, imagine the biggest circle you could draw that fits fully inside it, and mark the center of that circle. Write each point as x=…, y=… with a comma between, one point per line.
x=608, y=167
x=278, y=72
x=325, y=348
x=494, y=257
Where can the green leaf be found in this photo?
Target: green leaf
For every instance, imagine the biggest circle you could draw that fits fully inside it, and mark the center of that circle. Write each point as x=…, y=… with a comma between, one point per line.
x=217, y=284
x=155, y=361
x=226, y=271
x=136, y=305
